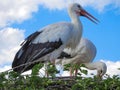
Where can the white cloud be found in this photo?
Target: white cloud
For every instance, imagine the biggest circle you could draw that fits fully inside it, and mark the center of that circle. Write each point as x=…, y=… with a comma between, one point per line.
x=99, y=5
x=53, y=4
x=112, y=67
x=16, y=11
x=6, y=67
x=10, y=39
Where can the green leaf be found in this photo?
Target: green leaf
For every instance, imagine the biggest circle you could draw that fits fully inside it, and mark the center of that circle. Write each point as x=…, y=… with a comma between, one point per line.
x=36, y=68
x=84, y=71
x=77, y=87
x=67, y=67
x=51, y=70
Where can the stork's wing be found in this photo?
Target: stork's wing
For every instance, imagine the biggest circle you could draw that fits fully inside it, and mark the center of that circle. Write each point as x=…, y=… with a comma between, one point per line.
x=31, y=52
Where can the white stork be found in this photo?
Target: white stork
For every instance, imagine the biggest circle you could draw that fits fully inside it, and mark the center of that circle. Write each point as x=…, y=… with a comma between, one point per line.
x=47, y=43
x=84, y=53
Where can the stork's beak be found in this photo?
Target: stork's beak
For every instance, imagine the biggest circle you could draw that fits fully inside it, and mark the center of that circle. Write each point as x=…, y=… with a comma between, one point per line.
x=89, y=16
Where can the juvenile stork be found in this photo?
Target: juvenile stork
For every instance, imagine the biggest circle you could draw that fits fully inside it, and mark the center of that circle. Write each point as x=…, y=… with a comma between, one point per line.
x=83, y=54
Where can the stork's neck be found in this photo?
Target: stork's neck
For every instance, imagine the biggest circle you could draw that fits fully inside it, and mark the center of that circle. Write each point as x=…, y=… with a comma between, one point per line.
x=78, y=29
x=76, y=22
x=91, y=66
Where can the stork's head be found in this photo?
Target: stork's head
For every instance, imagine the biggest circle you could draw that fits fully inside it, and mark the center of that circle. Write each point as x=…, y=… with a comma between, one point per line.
x=101, y=69
x=77, y=10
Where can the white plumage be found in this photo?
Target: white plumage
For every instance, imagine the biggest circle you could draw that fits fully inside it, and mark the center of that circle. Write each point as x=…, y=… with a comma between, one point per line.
x=84, y=53
x=47, y=43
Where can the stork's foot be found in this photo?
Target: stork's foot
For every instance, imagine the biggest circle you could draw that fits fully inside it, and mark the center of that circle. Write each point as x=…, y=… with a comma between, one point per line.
x=46, y=74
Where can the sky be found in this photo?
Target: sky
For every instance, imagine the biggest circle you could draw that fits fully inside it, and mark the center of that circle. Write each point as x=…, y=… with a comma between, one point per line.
x=20, y=19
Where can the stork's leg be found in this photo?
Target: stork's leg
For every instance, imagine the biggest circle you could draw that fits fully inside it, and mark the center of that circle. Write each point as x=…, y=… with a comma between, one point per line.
x=46, y=72
x=46, y=67
x=71, y=72
x=76, y=71
x=53, y=61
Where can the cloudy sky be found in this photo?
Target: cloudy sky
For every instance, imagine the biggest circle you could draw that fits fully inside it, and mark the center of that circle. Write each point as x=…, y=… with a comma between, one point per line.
x=20, y=19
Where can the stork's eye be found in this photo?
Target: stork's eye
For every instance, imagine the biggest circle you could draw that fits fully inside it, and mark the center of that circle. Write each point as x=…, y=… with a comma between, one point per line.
x=78, y=6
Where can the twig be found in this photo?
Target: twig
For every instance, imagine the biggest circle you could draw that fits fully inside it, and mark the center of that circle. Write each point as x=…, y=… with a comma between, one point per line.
x=29, y=63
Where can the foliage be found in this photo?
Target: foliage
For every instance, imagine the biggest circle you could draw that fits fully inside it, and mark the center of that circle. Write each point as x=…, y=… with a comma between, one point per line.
x=15, y=81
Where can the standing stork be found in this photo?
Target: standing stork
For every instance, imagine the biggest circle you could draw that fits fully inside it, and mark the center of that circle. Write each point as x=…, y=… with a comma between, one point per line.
x=84, y=53
x=47, y=43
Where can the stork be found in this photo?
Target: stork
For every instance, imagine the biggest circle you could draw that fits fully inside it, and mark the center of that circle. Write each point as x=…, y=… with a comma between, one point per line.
x=48, y=42
x=84, y=53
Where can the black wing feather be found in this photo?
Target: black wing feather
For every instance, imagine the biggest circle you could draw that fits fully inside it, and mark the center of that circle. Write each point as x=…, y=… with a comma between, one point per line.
x=40, y=50
x=32, y=52
x=64, y=55
x=18, y=59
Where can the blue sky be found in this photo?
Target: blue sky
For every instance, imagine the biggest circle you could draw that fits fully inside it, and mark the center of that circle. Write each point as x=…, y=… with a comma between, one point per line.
x=22, y=18
x=105, y=35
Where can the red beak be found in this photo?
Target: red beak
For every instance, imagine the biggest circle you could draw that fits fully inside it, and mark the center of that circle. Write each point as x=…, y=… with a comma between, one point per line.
x=89, y=16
